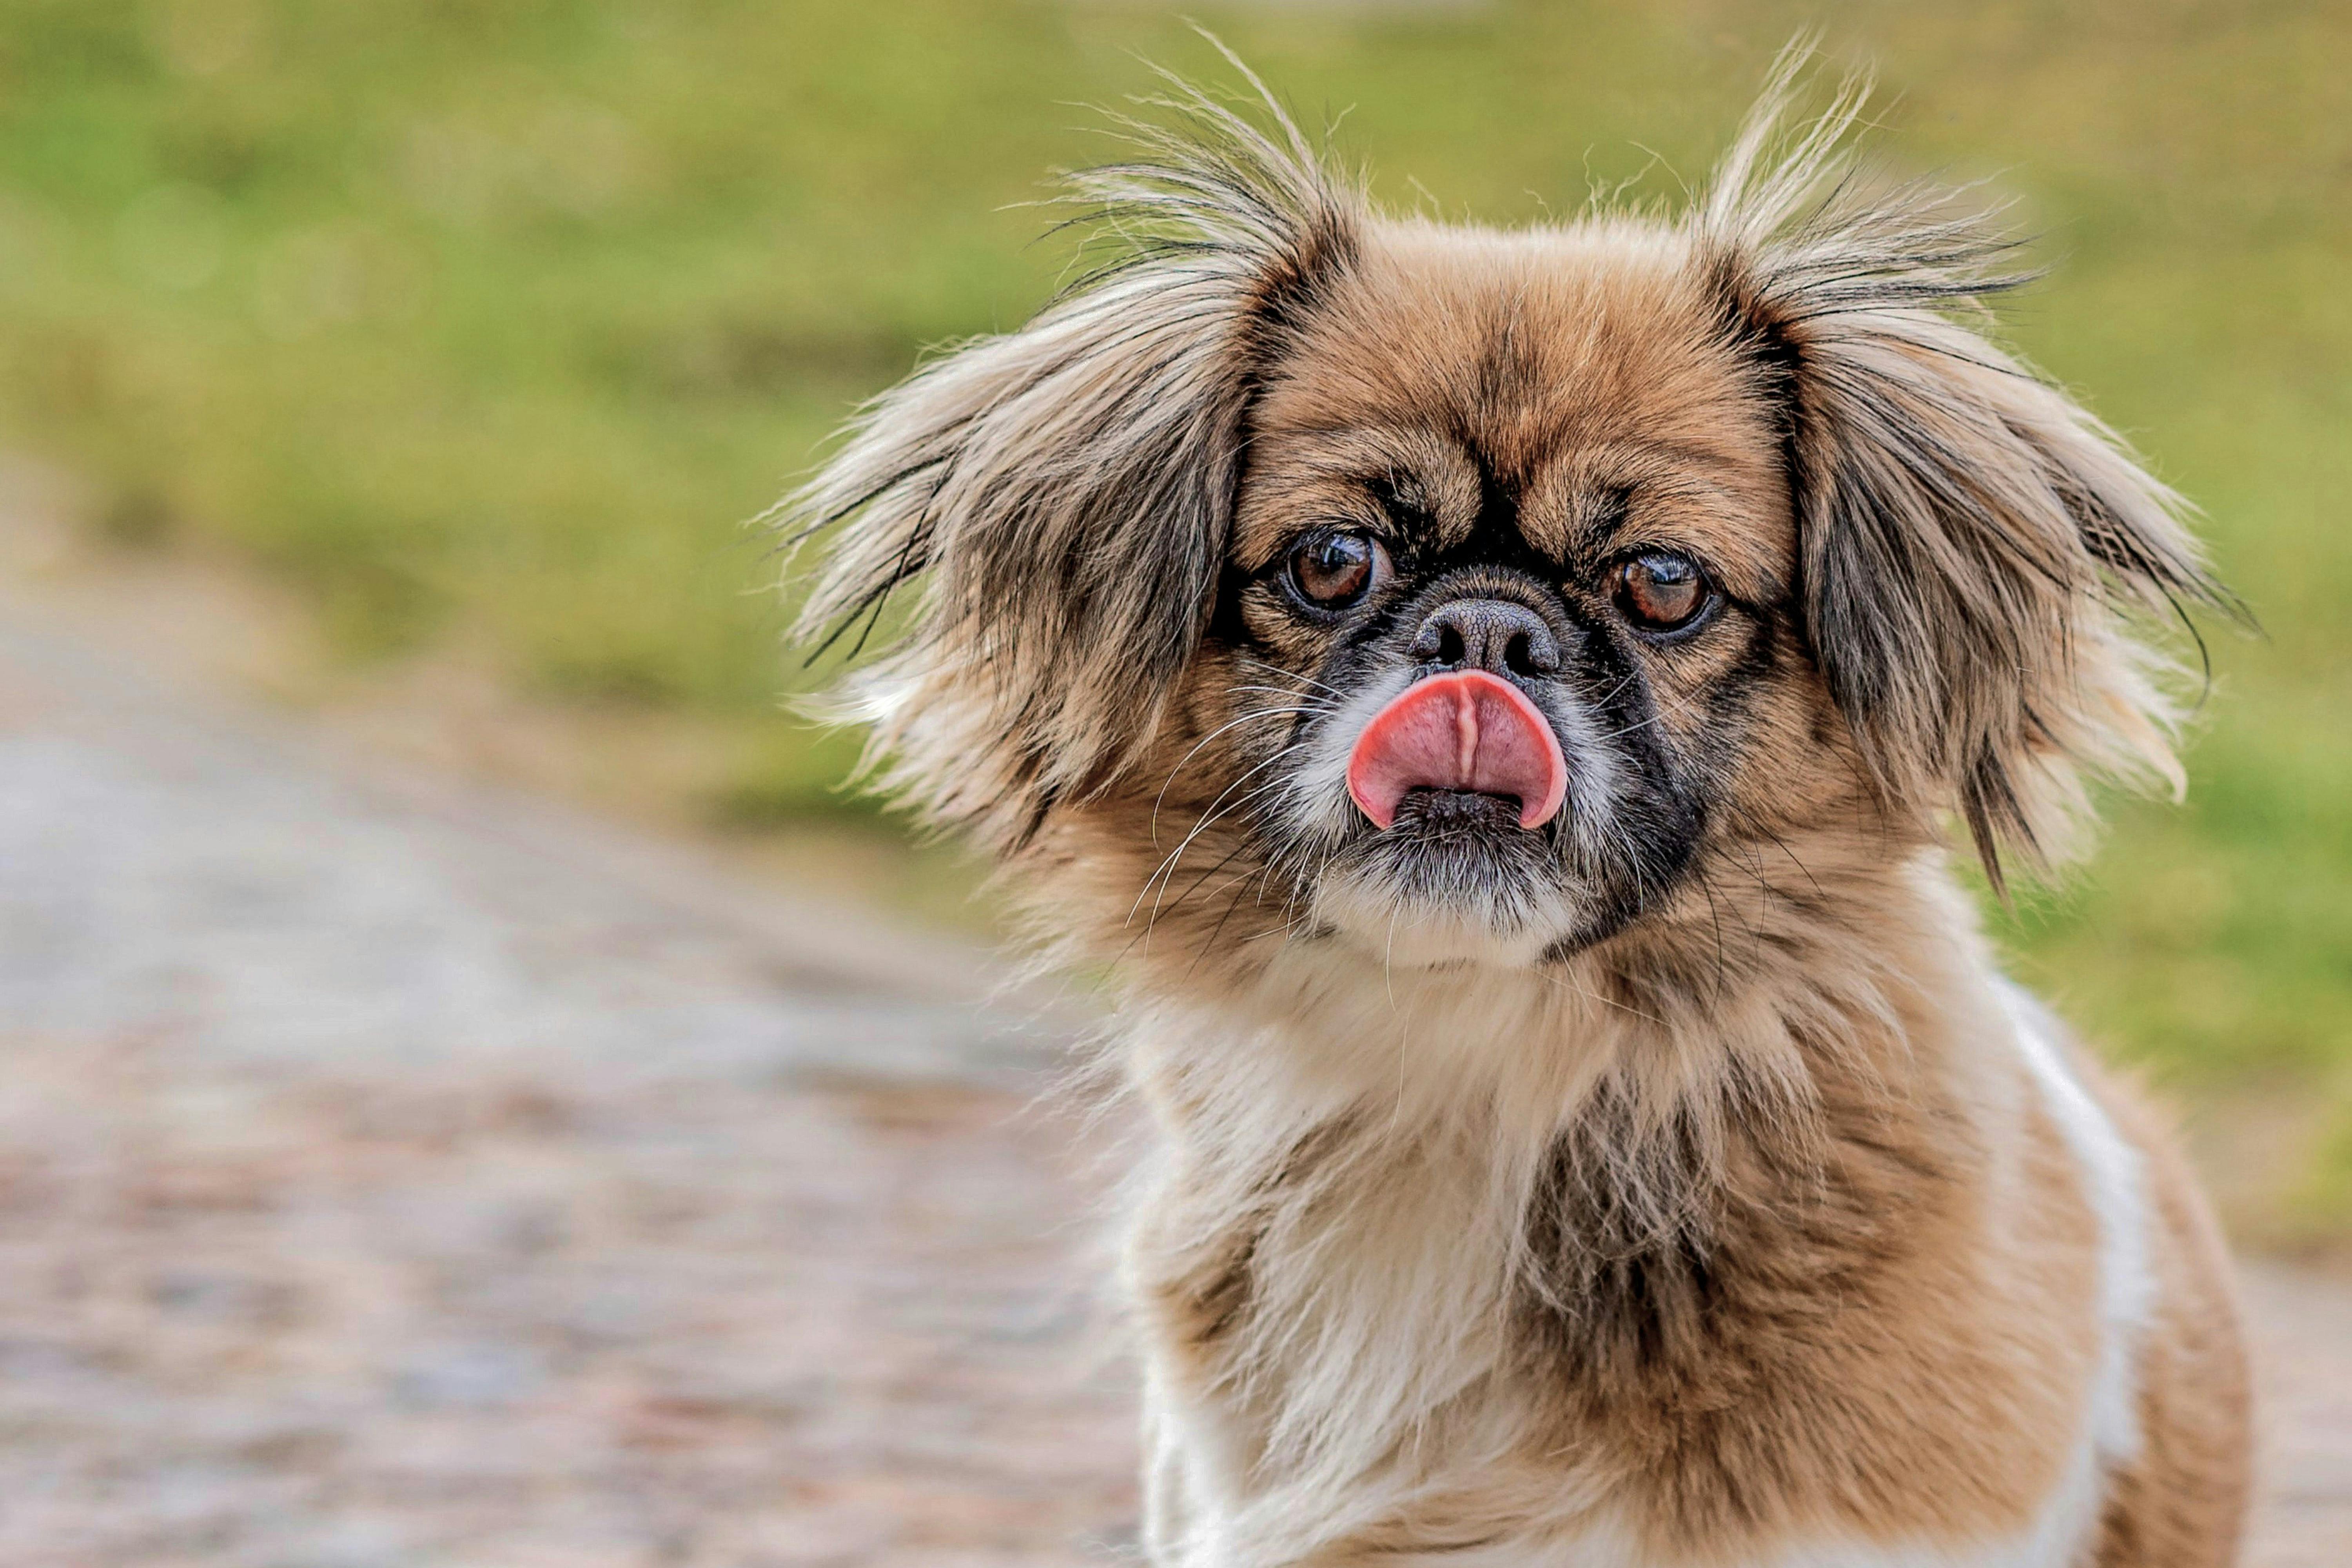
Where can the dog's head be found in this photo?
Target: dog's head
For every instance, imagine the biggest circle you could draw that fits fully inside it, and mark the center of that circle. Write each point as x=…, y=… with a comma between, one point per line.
x=1467, y=595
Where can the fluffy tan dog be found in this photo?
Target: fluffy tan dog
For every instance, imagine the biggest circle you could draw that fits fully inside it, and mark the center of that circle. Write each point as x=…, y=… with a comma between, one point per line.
x=1493, y=698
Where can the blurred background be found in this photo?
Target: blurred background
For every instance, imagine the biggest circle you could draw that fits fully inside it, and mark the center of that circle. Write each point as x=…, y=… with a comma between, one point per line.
x=398, y=379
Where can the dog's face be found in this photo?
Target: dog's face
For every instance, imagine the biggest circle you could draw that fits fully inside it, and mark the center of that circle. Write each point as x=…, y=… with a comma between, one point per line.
x=1538, y=462
x=1463, y=596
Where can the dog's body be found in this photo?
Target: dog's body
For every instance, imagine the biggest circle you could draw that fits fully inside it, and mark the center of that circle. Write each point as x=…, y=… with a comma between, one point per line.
x=1492, y=697
x=1956, y=1309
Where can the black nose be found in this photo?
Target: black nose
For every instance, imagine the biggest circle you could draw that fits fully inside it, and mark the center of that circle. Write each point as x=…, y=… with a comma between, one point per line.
x=1493, y=635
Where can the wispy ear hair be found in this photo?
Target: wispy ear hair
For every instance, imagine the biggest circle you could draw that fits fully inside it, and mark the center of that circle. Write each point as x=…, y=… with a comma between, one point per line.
x=1973, y=542
x=1063, y=494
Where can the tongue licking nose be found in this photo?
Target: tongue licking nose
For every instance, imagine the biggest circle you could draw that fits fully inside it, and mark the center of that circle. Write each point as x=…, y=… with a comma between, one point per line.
x=1468, y=730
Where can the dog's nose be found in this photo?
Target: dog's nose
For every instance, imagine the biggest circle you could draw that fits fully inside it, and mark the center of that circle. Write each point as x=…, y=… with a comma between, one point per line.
x=1493, y=635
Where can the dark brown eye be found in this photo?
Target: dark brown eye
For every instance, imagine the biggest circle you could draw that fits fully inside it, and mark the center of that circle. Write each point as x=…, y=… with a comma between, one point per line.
x=1333, y=571
x=1659, y=590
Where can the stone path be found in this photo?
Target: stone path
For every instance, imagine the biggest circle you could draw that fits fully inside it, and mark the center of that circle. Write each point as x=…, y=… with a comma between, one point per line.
x=394, y=1173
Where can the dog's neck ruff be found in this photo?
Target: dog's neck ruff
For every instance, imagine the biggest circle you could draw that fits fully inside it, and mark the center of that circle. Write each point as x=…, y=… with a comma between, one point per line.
x=1405, y=1235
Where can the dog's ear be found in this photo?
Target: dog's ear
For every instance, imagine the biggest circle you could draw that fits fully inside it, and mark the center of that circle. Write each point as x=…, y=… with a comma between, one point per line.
x=1064, y=493
x=1973, y=544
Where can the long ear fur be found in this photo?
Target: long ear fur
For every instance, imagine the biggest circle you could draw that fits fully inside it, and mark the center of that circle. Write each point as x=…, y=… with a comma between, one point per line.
x=1972, y=540
x=1067, y=489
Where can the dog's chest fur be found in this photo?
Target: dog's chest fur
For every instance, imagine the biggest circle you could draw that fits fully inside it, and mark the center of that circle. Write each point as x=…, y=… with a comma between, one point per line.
x=1857, y=1317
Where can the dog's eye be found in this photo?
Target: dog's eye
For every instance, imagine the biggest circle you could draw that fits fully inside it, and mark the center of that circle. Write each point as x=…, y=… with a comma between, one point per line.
x=1333, y=571
x=1659, y=591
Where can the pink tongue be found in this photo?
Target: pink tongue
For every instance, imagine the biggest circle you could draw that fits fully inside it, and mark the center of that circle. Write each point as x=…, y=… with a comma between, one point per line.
x=1470, y=731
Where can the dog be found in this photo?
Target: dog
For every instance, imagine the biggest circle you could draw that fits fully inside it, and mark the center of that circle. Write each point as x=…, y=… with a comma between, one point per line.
x=1502, y=706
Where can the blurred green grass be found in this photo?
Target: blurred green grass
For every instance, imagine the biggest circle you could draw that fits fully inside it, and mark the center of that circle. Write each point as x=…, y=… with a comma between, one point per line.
x=492, y=319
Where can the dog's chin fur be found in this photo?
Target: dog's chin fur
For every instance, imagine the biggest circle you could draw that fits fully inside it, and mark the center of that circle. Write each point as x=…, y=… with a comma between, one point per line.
x=1398, y=933
x=1676, y=1181
x=1449, y=883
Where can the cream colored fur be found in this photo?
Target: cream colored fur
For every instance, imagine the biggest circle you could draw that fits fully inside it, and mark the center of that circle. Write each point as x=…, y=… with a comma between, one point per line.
x=1380, y=1371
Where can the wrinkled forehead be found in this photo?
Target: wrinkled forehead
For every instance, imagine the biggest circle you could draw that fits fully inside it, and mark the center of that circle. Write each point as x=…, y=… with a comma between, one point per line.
x=1569, y=385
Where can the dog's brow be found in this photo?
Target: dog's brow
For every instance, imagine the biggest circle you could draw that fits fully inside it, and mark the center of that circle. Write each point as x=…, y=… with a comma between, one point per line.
x=1598, y=518
x=1403, y=497
x=1607, y=495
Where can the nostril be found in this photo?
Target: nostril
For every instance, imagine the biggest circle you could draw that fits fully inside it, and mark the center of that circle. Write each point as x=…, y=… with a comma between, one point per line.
x=1535, y=652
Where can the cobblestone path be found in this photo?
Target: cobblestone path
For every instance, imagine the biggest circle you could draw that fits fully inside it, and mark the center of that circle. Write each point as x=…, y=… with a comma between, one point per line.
x=391, y=1173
